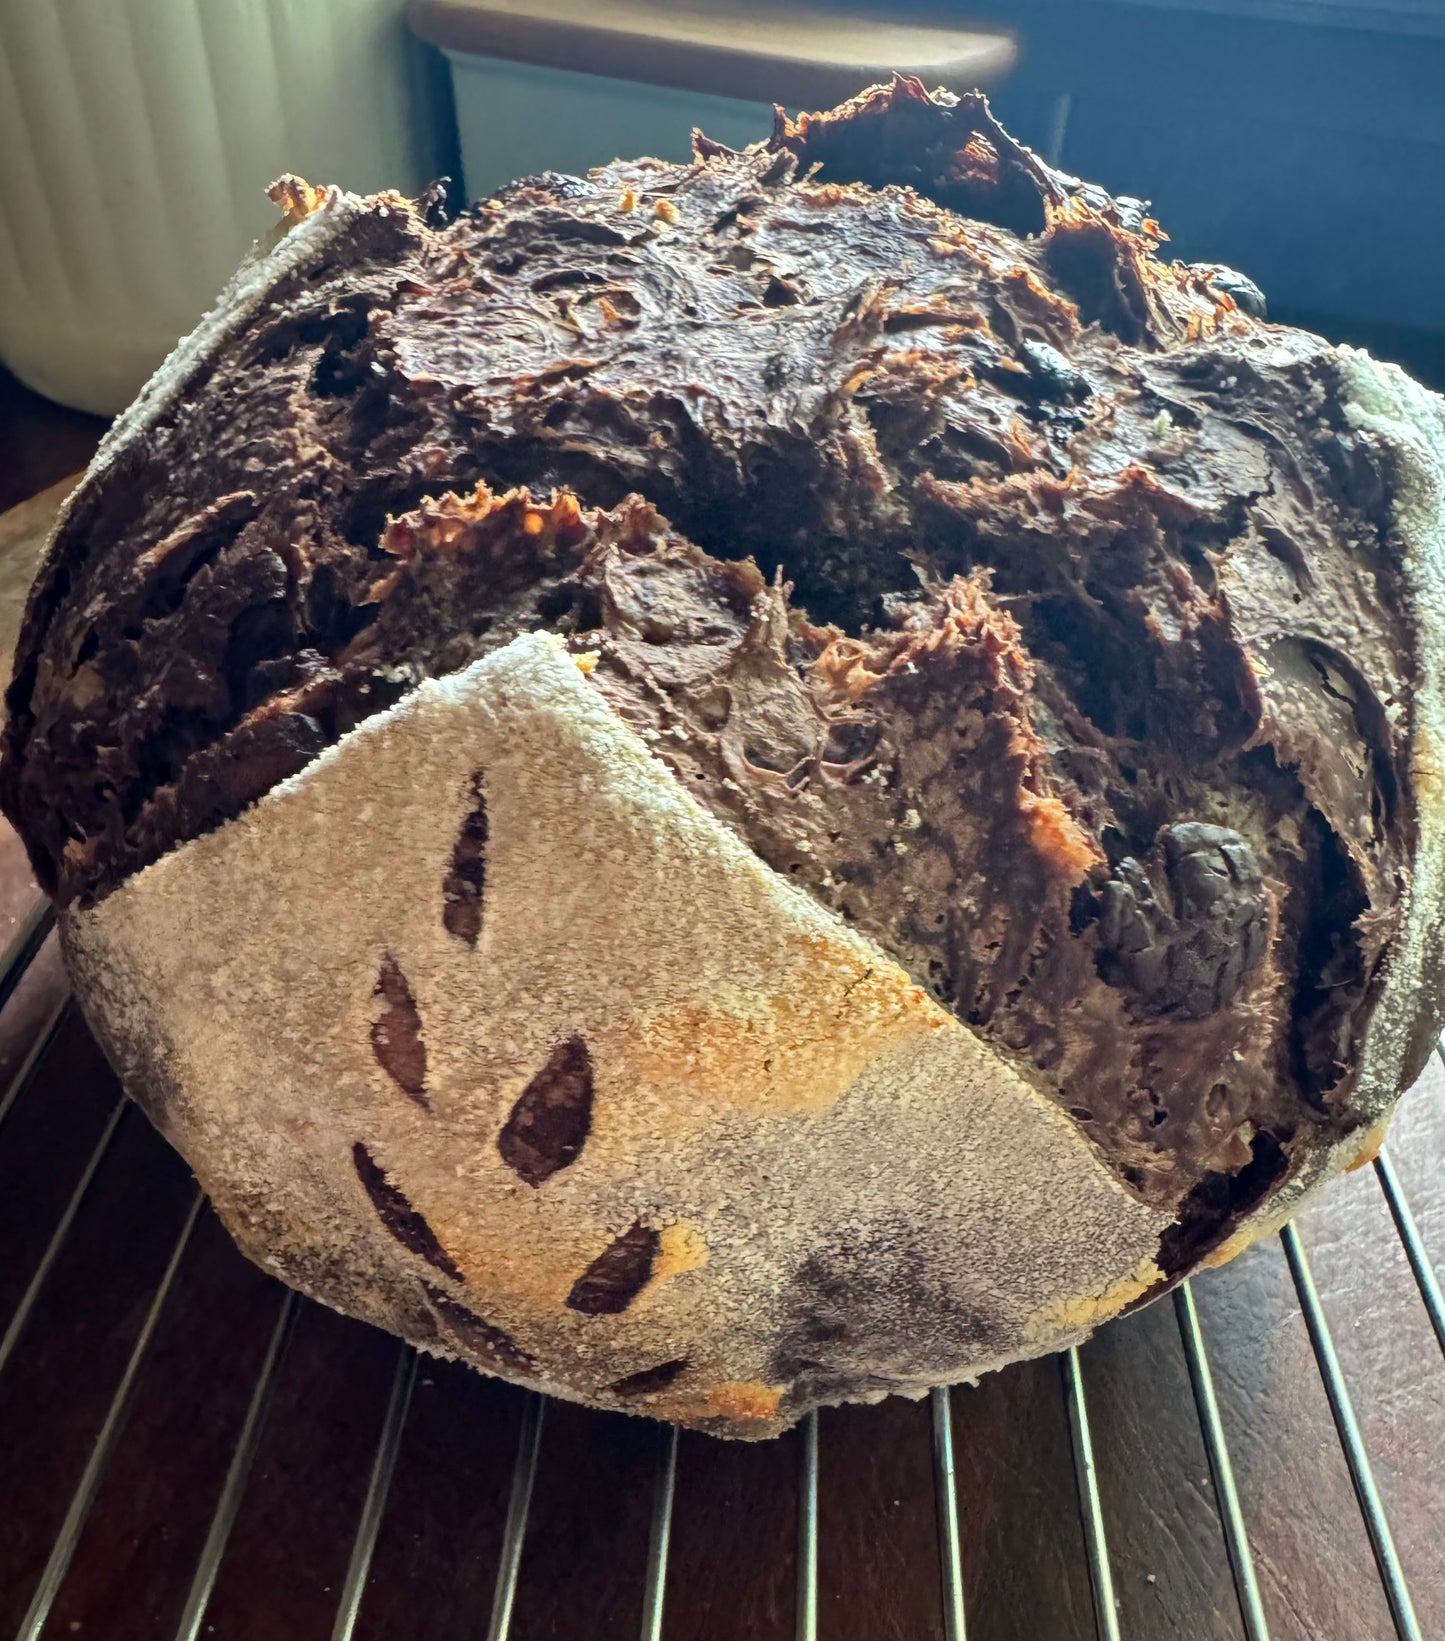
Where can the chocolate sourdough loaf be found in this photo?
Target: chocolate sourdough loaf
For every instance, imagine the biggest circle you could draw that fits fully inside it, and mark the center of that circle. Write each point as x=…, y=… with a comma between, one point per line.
x=724, y=786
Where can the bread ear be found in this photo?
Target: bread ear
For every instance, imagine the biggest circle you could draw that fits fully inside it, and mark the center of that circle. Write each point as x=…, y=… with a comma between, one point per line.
x=665, y=1108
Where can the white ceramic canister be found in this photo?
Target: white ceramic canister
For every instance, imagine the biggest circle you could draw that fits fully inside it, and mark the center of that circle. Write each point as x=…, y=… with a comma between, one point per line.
x=137, y=138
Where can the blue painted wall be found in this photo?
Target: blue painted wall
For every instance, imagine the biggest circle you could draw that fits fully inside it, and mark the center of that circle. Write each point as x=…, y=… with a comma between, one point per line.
x=1310, y=157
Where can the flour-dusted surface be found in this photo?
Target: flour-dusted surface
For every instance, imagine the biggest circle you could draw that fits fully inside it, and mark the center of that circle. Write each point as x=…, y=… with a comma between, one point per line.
x=824, y=1154
x=1408, y=421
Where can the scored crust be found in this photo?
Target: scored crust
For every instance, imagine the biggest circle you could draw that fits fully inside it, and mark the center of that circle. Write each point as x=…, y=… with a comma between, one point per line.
x=483, y=1028
x=824, y=1154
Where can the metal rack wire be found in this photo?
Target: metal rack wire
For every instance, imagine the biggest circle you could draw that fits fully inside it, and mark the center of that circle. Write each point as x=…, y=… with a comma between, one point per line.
x=813, y=1459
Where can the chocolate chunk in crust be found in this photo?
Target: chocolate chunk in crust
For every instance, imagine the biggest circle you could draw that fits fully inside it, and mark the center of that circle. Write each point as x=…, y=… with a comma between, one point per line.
x=1192, y=955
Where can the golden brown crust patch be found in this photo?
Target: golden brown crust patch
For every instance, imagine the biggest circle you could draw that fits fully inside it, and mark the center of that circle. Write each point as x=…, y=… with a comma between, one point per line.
x=295, y=197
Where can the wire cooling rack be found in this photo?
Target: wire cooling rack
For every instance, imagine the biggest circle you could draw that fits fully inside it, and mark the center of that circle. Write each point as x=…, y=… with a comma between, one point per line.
x=664, y=1600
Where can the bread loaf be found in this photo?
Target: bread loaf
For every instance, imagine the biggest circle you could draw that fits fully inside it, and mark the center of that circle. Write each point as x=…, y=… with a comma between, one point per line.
x=730, y=786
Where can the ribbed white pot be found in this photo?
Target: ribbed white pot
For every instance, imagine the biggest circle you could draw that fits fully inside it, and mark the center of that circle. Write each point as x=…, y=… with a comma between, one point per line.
x=137, y=138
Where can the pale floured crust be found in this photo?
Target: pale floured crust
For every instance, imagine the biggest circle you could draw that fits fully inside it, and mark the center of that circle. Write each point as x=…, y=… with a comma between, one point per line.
x=1409, y=421
x=799, y=1124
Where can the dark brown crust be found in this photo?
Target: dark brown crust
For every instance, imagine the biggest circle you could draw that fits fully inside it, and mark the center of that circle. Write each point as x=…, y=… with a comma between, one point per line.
x=482, y=1338
x=648, y=1381
x=1081, y=690
x=466, y=879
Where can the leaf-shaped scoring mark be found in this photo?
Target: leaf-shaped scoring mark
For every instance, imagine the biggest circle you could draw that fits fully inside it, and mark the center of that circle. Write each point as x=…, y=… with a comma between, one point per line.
x=484, y=1338
x=648, y=1380
x=617, y=1275
x=553, y=1115
x=467, y=876
x=398, y=1215
x=396, y=1038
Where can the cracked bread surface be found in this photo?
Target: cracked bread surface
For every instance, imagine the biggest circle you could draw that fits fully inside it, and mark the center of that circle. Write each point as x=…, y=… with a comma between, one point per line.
x=1028, y=608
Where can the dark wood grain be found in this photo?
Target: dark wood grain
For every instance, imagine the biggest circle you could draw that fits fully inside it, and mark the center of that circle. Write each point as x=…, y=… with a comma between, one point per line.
x=591, y=1509
x=44, y=1146
x=1166, y=1544
x=1312, y=1557
x=136, y=1557
x=54, y=1395
x=734, y=1552
x=1024, y=1571
x=435, y=1565
x=1391, y=1364
x=878, y=1524
x=283, y=1573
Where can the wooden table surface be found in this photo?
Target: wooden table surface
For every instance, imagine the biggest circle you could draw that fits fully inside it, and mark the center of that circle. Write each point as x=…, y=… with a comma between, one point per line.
x=733, y=1566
